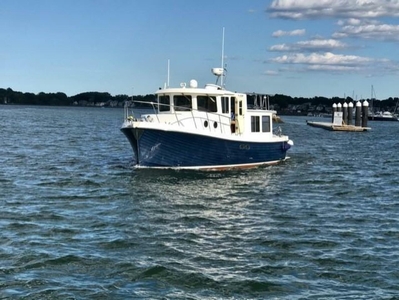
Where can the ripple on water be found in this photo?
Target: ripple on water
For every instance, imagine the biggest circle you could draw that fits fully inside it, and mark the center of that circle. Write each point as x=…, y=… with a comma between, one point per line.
x=78, y=221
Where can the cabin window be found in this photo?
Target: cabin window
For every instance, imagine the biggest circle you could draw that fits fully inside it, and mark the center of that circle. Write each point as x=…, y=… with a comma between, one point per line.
x=240, y=108
x=233, y=105
x=182, y=102
x=225, y=105
x=265, y=123
x=163, y=102
x=255, y=123
x=206, y=103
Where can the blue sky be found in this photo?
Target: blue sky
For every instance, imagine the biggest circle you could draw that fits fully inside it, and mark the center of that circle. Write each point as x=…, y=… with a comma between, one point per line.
x=301, y=48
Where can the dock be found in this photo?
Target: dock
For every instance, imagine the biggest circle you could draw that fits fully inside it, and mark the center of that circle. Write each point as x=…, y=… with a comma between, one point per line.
x=342, y=118
x=335, y=127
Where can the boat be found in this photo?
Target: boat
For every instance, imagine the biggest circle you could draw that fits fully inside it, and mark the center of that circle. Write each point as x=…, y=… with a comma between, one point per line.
x=383, y=116
x=204, y=128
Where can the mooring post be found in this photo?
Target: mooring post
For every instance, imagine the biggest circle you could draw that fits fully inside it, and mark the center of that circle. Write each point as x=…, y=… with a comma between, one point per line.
x=358, y=113
x=334, y=109
x=345, y=113
x=365, y=114
x=350, y=113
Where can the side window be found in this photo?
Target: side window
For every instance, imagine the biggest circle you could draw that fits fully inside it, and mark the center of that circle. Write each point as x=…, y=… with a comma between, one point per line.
x=225, y=105
x=265, y=123
x=233, y=104
x=163, y=103
x=206, y=103
x=255, y=123
x=182, y=102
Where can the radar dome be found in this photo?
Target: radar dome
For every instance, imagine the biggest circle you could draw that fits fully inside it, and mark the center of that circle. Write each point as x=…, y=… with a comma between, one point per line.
x=217, y=71
x=193, y=83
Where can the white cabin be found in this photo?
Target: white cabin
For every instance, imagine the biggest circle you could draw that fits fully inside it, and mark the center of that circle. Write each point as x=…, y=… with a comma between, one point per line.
x=213, y=109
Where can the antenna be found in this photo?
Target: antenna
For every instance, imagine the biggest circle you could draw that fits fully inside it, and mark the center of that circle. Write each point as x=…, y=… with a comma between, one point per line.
x=219, y=72
x=222, y=66
x=168, y=72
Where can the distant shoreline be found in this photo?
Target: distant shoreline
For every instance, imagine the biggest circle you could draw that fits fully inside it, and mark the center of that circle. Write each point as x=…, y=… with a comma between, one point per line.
x=283, y=104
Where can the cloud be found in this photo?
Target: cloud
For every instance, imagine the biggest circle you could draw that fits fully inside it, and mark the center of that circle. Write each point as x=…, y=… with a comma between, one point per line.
x=335, y=62
x=310, y=46
x=282, y=48
x=316, y=9
x=271, y=73
x=297, y=32
x=327, y=58
x=375, y=30
x=333, y=68
x=350, y=21
x=356, y=19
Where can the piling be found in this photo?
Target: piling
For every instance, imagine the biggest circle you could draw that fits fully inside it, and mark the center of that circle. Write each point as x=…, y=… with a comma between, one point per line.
x=334, y=109
x=365, y=113
x=350, y=113
x=358, y=113
x=345, y=113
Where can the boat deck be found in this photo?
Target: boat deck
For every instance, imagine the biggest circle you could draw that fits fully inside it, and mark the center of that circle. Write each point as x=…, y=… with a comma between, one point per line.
x=333, y=127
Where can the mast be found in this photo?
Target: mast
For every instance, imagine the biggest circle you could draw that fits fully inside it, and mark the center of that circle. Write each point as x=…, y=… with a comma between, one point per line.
x=372, y=101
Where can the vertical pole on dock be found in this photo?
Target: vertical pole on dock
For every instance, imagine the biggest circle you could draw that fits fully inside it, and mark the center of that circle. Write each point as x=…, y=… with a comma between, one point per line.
x=365, y=115
x=350, y=113
x=358, y=113
x=339, y=107
x=345, y=113
x=334, y=109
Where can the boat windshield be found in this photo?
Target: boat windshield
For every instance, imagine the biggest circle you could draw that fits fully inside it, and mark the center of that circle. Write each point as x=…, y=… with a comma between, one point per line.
x=206, y=103
x=182, y=102
x=163, y=102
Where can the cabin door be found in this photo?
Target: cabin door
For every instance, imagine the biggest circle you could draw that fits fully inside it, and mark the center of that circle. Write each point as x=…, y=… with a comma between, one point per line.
x=239, y=112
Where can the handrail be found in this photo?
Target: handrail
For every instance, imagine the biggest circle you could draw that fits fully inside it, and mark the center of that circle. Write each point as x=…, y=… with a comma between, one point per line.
x=180, y=118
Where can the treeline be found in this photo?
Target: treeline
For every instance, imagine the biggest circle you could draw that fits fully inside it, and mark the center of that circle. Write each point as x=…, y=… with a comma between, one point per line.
x=8, y=96
x=284, y=101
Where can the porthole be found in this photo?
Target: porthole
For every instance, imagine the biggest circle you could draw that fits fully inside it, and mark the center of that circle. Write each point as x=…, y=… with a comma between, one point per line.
x=215, y=125
x=206, y=124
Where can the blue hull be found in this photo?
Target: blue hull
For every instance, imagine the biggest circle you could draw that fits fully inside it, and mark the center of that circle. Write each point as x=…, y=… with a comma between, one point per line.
x=165, y=149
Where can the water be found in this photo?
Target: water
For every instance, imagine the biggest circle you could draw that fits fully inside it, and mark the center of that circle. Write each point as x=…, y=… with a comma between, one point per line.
x=77, y=222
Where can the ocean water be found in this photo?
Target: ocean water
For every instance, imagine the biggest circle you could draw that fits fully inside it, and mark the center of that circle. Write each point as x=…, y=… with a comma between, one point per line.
x=78, y=222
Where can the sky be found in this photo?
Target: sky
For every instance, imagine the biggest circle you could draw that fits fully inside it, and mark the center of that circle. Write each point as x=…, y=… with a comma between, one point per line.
x=300, y=48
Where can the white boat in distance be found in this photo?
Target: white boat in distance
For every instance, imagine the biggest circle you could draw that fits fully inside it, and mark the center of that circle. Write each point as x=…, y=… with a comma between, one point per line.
x=207, y=128
x=383, y=116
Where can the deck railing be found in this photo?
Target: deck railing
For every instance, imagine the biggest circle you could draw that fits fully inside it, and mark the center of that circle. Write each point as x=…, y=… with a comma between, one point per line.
x=211, y=117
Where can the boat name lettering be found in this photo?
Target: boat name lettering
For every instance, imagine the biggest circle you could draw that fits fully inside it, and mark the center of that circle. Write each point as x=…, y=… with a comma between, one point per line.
x=244, y=147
